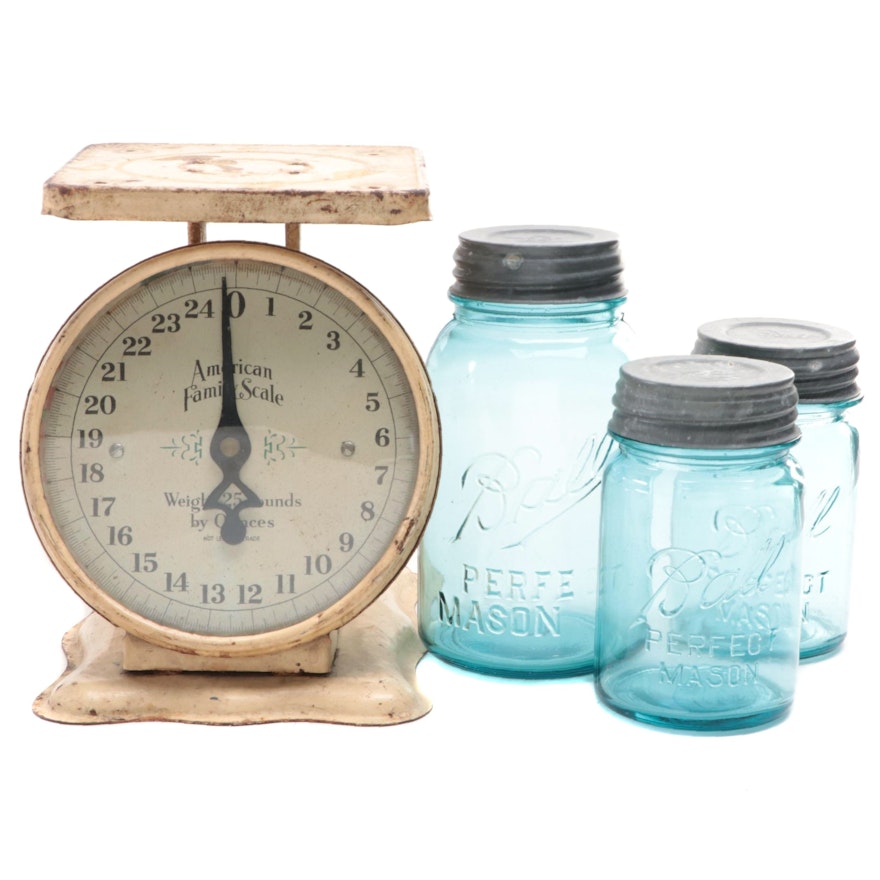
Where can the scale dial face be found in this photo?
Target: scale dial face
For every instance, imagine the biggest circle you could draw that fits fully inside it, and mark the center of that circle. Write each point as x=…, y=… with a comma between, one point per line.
x=230, y=449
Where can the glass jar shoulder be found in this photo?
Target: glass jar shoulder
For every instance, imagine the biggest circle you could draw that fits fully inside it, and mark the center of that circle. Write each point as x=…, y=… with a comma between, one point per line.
x=640, y=467
x=829, y=443
x=829, y=424
x=485, y=342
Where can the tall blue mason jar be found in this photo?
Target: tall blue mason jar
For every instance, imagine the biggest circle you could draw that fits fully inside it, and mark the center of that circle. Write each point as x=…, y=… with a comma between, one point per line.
x=825, y=364
x=523, y=377
x=698, y=618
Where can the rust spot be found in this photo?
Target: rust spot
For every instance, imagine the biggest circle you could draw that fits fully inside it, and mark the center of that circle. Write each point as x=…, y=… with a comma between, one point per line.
x=400, y=543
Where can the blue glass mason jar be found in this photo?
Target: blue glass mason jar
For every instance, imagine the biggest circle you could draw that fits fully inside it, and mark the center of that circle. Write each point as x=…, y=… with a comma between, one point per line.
x=523, y=377
x=698, y=619
x=825, y=364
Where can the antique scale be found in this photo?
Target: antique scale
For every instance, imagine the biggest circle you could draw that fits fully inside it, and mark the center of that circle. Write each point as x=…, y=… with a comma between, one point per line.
x=230, y=449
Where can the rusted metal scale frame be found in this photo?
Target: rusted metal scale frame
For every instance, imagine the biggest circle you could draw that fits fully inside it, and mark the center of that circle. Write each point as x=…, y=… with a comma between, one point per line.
x=197, y=184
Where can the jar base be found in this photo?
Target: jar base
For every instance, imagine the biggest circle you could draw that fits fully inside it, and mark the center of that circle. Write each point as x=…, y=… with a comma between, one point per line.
x=635, y=695
x=523, y=671
x=569, y=654
x=721, y=725
x=814, y=650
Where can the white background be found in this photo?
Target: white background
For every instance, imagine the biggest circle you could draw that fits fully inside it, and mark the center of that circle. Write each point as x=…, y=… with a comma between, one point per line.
x=734, y=148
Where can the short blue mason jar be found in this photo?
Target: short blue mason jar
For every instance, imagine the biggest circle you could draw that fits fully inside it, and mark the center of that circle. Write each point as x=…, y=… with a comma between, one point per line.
x=825, y=364
x=523, y=376
x=698, y=619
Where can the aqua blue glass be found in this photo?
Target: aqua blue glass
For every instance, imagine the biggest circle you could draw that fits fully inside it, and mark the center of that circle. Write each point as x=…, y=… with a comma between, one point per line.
x=825, y=364
x=698, y=620
x=829, y=455
x=523, y=381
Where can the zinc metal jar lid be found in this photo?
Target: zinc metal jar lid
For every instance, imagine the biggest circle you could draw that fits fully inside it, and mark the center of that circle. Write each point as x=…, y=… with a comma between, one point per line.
x=824, y=358
x=541, y=264
x=705, y=402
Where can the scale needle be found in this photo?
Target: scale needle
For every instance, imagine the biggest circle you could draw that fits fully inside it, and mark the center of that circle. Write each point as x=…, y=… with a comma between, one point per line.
x=230, y=445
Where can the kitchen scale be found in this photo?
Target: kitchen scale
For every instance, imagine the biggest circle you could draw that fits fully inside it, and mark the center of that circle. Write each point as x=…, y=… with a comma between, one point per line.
x=230, y=449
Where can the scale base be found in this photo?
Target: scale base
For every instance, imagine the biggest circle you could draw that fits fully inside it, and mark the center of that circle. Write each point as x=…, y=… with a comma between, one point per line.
x=373, y=680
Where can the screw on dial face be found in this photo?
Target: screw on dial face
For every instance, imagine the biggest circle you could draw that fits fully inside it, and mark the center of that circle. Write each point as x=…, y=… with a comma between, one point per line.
x=180, y=524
